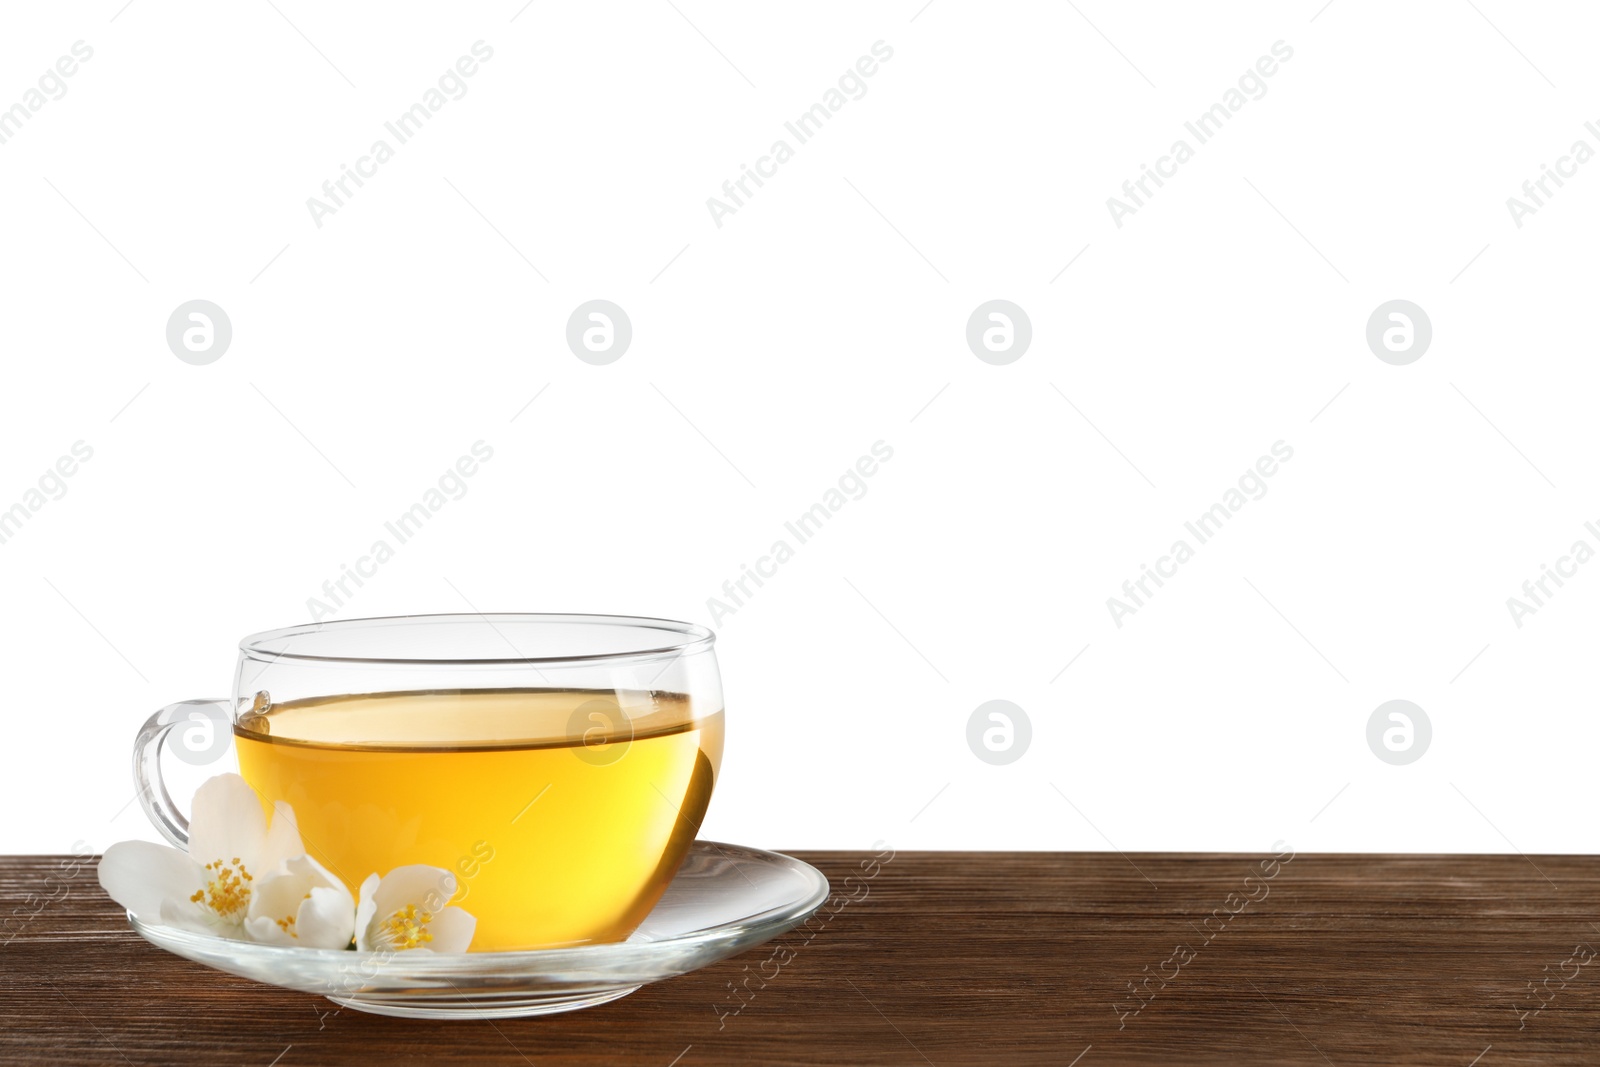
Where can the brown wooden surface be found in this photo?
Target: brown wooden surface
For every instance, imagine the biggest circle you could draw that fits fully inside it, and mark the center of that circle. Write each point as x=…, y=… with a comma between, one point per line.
x=951, y=958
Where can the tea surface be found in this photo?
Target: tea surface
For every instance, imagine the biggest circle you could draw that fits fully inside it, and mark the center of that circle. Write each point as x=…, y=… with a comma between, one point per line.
x=562, y=813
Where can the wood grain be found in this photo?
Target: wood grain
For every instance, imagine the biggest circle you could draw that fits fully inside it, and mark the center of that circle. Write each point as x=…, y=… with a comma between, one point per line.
x=950, y=958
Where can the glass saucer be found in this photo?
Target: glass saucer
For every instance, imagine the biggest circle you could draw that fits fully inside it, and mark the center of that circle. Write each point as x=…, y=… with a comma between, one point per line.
x=723, y=900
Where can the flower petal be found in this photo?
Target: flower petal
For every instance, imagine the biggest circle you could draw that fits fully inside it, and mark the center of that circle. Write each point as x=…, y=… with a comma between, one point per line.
x=429, y=888
x=139, y=875
x=227, y=820
x=366, y=910
x=327, y=919
x=267, y=931
x=452, y=930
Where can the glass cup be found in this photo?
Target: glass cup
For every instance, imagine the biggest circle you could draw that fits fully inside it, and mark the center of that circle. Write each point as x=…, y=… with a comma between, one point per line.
x=558, y=765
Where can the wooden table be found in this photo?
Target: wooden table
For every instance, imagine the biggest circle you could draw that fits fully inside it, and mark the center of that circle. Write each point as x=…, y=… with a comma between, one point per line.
x=950, y=958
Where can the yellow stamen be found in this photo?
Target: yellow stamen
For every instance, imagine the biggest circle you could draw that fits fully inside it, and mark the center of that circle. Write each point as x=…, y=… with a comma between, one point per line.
x=408, y=928
x=287, y=924
x=227, y=891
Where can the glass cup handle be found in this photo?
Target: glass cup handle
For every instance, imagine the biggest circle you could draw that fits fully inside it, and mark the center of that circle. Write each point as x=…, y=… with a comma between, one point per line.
x=209, y=718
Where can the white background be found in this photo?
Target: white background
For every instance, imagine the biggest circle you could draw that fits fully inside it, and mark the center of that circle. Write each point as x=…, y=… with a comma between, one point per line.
x=827, y=314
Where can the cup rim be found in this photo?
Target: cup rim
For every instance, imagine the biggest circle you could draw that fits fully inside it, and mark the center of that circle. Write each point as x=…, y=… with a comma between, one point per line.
x=697, y=638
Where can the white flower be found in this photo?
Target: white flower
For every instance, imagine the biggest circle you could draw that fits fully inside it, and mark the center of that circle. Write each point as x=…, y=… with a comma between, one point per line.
x=211, y=888
x=248, y=878
x=302, y=904
x=405, y=909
